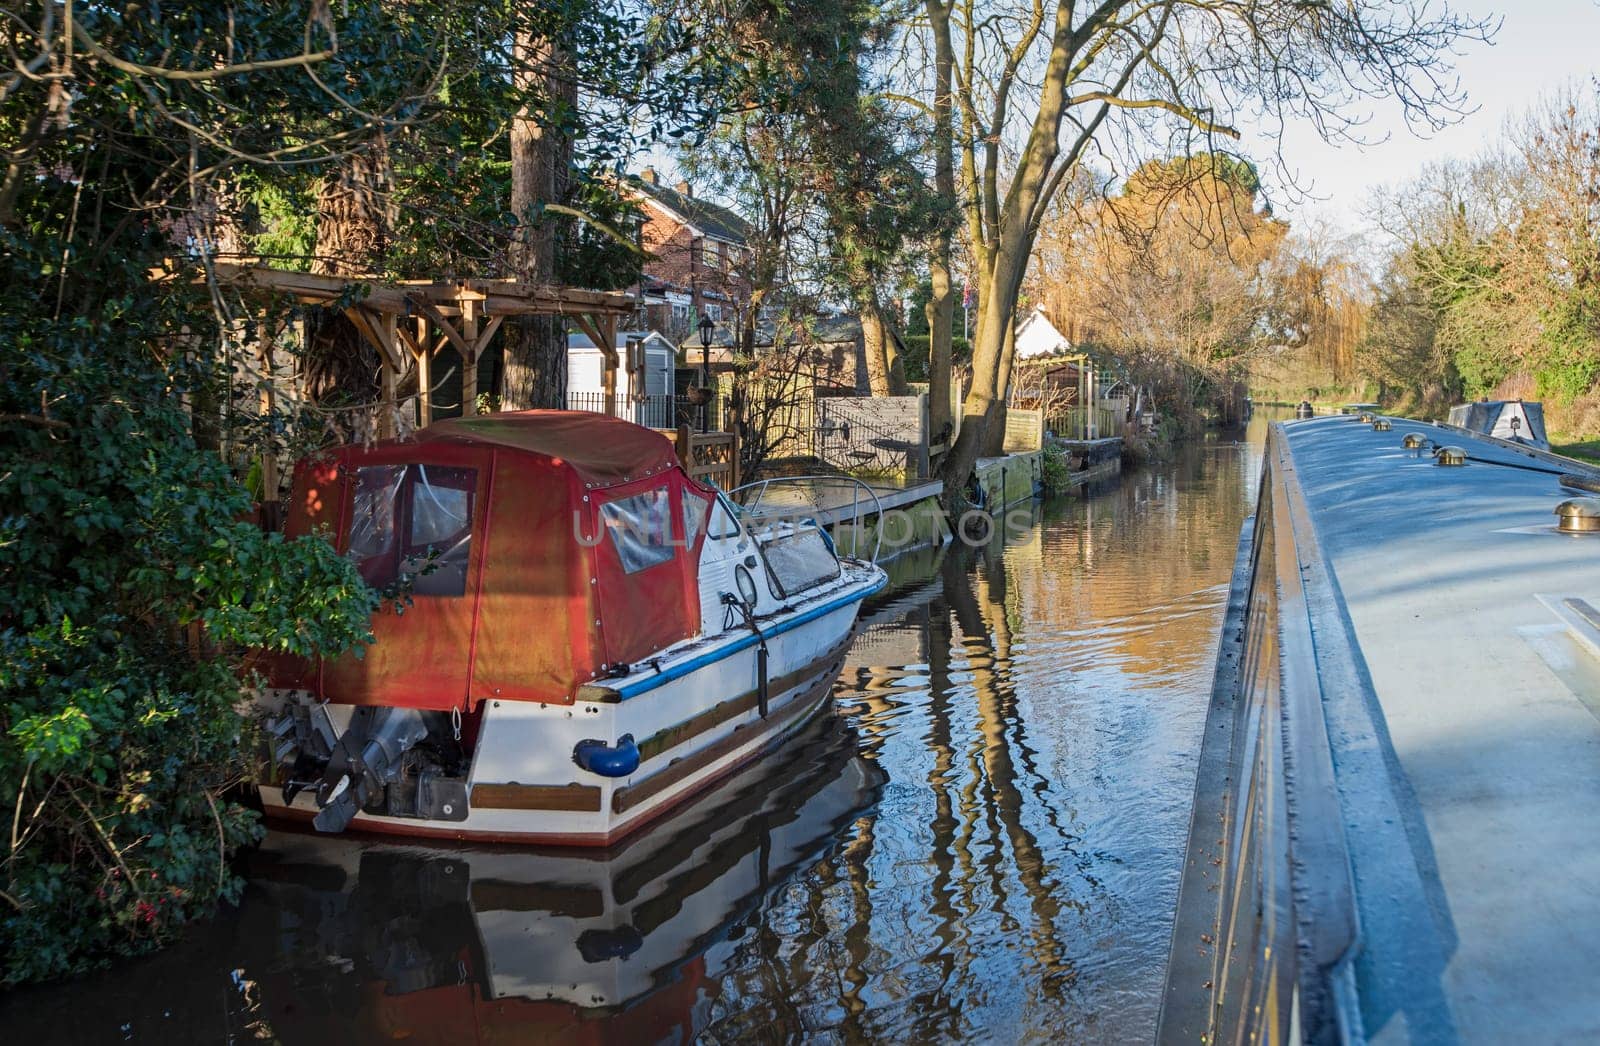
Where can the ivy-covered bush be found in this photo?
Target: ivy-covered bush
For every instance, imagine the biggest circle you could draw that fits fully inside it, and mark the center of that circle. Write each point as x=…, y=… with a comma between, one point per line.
x=133, y=589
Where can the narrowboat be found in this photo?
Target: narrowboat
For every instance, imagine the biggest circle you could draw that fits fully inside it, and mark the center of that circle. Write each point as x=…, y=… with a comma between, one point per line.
x=578, y=636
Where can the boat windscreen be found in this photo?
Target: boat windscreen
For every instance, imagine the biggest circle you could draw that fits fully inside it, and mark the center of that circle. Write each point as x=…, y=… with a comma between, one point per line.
x=799, y=557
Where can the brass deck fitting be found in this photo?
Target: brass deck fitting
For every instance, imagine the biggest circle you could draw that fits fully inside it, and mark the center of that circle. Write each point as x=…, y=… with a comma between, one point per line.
x=1578, y=516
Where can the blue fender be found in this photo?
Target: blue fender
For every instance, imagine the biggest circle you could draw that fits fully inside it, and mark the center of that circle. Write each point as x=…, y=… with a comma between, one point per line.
x=597, y=757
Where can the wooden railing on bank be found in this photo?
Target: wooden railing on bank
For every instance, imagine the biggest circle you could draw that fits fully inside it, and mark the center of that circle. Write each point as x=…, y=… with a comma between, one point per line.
x=710, y=457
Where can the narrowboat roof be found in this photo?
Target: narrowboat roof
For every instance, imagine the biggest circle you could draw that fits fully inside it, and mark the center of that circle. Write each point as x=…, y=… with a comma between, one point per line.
x=1468, y=775
x=603, y=450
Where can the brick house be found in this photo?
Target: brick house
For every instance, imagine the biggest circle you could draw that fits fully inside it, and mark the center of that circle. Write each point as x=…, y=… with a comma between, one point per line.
x=699, y=258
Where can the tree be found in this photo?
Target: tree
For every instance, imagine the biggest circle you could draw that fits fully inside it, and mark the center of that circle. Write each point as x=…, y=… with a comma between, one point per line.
x=1500, y=251
x=844, y=151
x=138, y=595
x=1040, y=87
x=1170, y=275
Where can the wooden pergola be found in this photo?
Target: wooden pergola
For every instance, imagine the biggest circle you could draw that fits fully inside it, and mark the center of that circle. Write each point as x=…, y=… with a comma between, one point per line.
x=417, y=318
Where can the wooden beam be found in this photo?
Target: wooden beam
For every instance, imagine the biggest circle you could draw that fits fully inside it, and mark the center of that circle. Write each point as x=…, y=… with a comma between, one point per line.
x=447, y=328
x=490, y=327
x=379, y=328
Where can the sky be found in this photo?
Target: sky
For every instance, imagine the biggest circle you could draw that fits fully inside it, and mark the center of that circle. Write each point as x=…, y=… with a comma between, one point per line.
x=1541, y=46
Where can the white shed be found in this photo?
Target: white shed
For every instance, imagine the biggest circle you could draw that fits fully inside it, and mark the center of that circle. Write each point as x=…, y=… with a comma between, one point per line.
x=1038, y=337
x=645, y=385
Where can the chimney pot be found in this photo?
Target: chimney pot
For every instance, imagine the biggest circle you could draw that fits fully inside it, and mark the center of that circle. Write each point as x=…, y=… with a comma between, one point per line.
x=685, y=188
x=649, y=176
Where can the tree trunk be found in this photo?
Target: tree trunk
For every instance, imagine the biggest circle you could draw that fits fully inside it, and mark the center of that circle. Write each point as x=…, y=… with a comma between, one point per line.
x=1003, y=265
x=941, y=306
x=996, y=444
x=992, y=348
x=874, y=338
x=886, y=372
x=353, y=215
x=535, y=347
x=353, y=224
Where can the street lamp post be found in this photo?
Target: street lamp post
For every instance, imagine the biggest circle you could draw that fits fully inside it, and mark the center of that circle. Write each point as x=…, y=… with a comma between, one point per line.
x=707, y=328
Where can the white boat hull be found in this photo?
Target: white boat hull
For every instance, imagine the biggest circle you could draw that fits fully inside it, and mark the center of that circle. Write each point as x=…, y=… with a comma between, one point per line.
x=695, y=713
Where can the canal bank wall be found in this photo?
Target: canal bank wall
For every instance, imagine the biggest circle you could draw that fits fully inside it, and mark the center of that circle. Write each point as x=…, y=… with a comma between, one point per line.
x=914, y=518
x=1003, y=482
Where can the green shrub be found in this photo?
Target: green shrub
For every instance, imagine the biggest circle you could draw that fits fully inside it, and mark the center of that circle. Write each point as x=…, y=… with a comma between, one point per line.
x=1055, y=468
x=134, y=594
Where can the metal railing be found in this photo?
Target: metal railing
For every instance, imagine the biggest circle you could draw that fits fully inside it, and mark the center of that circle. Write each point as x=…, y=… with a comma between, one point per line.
x=656, y=412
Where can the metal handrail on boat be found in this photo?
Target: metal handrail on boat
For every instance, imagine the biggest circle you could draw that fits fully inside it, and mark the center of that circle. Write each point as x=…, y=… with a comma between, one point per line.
x=751, y=506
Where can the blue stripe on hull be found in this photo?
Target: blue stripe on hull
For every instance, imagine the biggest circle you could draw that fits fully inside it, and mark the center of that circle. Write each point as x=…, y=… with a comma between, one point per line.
x=745, y=642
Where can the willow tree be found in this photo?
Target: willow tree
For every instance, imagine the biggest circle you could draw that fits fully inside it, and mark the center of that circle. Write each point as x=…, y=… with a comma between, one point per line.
x=1039, y=87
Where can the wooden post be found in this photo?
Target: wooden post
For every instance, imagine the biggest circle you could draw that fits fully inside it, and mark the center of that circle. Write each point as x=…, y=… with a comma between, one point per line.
x=685, y=435
x=380, y=329
x=269, y=449
x=386, y=378
x=469, y=357
x=608, y=330
x=424, y=356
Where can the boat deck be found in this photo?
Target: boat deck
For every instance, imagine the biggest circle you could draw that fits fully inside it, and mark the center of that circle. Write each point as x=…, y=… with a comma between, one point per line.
x=1480, y=910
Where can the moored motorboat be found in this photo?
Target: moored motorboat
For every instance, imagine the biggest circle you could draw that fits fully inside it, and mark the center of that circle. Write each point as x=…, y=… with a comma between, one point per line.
x=1519, y=421
x=579, y=637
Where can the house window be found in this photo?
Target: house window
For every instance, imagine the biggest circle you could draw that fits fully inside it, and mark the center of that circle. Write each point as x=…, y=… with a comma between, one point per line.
x=710, y=256
x=715, y=312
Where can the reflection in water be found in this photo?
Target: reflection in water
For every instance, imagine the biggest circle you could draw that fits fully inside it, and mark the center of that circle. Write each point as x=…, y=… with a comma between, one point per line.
x=985, y=842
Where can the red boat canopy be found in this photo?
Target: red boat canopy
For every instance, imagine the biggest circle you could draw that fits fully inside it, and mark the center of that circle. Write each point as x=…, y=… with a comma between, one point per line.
x=601, y=450
x=542, y=549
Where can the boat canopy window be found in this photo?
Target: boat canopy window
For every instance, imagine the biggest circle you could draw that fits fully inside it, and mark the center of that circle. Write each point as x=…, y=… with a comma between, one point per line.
x=431, y=506
x=695, y=508
x=799, y=557
x=641, y=529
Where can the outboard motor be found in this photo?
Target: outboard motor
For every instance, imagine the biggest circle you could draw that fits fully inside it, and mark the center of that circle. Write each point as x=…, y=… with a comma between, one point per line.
x=380, y=736
x=397, y=762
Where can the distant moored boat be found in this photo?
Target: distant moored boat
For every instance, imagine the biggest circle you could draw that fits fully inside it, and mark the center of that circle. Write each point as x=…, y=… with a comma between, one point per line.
x=1520, y=421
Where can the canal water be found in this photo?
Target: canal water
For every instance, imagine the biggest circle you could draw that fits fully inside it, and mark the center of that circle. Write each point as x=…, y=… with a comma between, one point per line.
x=984, y=841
